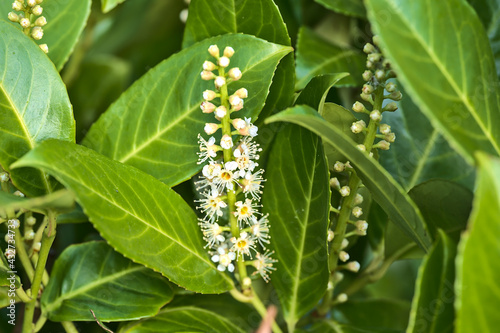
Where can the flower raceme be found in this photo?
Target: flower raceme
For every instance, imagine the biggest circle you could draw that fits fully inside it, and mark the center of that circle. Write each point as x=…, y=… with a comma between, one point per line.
x=230, y=183
x=30, y=10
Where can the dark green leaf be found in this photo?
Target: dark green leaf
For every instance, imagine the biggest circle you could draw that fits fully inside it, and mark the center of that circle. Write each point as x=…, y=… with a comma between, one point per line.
x=347, y=7
x=374, y=314
x=182, y=319
x=314, y=94
x=154, y=124
x=60, y=201
x=386, y=192
x=65, y=22
x=34, y=106
x=478, y=267
x=432, y=307
x=90, y=275
x=138, y=215
x=108, y=5
x=446, y=63
x=75, y=216
x=297, y=198
x=330, y=326
x=420, y=152
x=316, y=56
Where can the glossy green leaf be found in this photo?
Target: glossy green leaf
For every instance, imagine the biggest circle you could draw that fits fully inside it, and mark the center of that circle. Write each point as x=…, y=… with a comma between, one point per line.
x=316, y=56
x=60, y=201
x=478, y=267
x=138, y=215
x=108, y=5
x=347, y=7
x=314, y=94
x=330, y=326
x=446, y=65
x=4, y=297
x=217, y=17
x=75, y=216
x=386, y=192
x=183, y=319
x=420, y=152
x=154, y=124
x=34, y=106
x=432, y=307
x=374, y=314
x=90, y=275
x=297, y=198
x=65, y=22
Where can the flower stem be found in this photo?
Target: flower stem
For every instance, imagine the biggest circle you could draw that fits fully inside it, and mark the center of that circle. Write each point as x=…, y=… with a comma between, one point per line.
x=69, y=327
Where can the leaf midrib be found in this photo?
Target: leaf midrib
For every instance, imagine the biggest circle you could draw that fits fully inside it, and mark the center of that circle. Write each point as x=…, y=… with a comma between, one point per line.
x=448, y=77
x=92, y=285
x=190, y=111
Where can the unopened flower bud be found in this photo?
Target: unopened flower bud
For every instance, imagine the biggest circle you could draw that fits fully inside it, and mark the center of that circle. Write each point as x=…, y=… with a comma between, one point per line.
x=221, y=111
x=19, y=194
x=207, y=75
x=330, y=235
x=362, y=226
x=37, y=10
x=25, y=23
x=211, y=128
x=29, y=235
x=209, y=95
x=374, y=57
x=334, y=183
x=234, y=73
x=345, y=191
x=367, y=89
x=234, y=100
x=376, y=40
x=396, y=96
x=358, y=107
x=44, y=48
x=391, y=137
x=344, y=244
x=31, y=221
x=375, y=115
x=4, y=177
x=358, y=200
x=339, y=166
x=226, y=142
x=369, y=64
x=13, y=17
x=219, y=81
x=384, y=145
x=37, y=246
x=14, y=223
x=338, y=276
x=32, y=3
x=344, y=256
x=358, y=126
x=207, y=107
x=223, y=62
x=17, y=5
x=361, y=147
x=41, y=21
x=214, y=51
x=353, y=266
x=357, y=211
x=392, y=106
x=228, y=52
x=238, y=107
x=209, y=66
x=37, y=33
x=380, y=75
x=367, y=75
x=369, y=48
x=367, y=97
x=10, y=253
x=385, y=129
x=247, y=282
x=390, y=87
x=239, y=123
x=241, y=93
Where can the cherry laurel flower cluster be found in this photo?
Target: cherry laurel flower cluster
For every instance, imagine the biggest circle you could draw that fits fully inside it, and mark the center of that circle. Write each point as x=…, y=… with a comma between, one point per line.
x=231, y=182
x=382, y=94
x=30, y=19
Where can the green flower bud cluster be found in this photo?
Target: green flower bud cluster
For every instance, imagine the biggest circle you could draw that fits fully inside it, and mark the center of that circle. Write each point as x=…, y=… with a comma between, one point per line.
x=30, y=19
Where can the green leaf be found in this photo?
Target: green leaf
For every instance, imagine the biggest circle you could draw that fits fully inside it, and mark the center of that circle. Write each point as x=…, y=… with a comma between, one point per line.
x=217, y=17
x=330, y=326
x=314, y=94
x=138, y=215
x=315, y=56
x=297, y=198
x=60, y=201
x=445, y=205
x=346, y=7
x=65, y=23
x=420, y=152
x=108, y=5
x=478, y=267
x=453, y=82
x=161, y=115
x=34, y=106
x=386, y=192
x=182, y=319
x=374, y=314
x=432, y=306
x=75, y=216
x=90, y=275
